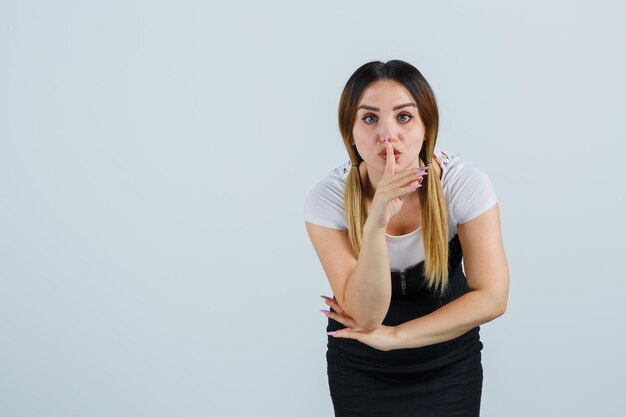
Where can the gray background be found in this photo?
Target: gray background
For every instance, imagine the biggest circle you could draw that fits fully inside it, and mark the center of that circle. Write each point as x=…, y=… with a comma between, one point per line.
x=155, y=157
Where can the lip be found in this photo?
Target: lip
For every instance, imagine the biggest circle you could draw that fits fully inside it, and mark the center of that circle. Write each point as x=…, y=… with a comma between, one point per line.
x=384, y=156
x=384, y=153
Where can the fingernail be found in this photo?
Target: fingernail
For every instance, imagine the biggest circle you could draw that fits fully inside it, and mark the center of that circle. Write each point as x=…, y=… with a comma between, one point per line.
x=331, y=333
x=326, y=312
x=419, y=174
x=324, y=297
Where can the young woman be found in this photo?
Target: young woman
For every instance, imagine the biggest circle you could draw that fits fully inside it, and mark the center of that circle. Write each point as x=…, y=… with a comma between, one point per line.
x=390, y=228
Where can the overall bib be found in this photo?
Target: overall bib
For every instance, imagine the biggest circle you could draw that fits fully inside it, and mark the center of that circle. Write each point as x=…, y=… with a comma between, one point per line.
x=444, y=379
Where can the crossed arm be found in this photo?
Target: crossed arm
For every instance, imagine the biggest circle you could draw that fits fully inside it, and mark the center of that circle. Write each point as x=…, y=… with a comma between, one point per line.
x=487, y=274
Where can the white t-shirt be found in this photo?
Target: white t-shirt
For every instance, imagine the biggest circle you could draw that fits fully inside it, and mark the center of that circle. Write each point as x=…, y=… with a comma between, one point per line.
x=467, y=189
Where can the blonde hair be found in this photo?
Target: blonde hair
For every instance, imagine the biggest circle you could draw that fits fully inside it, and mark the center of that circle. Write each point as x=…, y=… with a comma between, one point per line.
x=431, y=196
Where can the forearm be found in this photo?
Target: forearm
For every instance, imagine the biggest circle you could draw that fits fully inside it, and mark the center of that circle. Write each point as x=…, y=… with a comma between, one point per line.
x=368, y=290
x=449, y=321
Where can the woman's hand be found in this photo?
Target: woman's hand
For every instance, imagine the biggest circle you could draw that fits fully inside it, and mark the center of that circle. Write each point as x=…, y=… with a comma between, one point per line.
x=382, y=338
x=393, y=189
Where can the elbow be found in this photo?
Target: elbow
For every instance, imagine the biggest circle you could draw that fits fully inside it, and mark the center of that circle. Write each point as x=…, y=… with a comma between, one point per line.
x=495, y=306
x=500, y=308
x=496, y=302
x=372, y=326
x=369, y=325
x=364, y=320
x=369, y=320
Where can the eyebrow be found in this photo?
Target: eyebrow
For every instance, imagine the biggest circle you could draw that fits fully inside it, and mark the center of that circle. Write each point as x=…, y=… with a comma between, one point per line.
x=363, y=106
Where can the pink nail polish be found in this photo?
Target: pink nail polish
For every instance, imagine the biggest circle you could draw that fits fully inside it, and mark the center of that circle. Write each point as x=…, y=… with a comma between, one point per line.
x=331, y=333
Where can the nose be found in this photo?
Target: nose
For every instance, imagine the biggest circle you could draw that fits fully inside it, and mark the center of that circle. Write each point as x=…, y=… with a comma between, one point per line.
x=392, y=138
x=388, y=130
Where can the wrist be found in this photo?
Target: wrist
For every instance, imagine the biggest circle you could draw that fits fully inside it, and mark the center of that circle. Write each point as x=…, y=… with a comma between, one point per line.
x=369, y=228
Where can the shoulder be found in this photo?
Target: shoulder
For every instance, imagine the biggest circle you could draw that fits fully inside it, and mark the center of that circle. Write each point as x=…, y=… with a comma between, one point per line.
x=467, y=187
x=333, y=183
x=324, y=203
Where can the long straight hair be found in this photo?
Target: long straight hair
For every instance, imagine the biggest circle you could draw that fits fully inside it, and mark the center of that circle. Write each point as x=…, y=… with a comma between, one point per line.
x=431, y=196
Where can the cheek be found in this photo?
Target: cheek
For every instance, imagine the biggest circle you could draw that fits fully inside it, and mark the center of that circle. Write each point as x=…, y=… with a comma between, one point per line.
x=366, y=149
x=364, y=144
x=358, y=134
x=361, y=139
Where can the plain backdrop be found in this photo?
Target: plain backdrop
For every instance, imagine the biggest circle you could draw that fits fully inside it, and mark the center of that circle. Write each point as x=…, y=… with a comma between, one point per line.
x=155, y=157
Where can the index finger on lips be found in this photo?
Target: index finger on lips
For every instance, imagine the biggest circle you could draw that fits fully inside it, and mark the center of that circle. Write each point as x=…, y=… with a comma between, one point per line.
x=390, y=164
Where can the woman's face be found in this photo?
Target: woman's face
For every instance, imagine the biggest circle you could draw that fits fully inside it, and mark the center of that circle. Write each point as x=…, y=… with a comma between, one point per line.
x=387, y=109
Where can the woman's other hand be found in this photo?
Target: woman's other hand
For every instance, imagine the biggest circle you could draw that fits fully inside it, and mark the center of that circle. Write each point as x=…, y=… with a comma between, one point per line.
x=382, y=337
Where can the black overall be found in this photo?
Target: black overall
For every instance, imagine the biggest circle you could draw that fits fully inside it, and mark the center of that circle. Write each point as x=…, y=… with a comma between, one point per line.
x=444, y=379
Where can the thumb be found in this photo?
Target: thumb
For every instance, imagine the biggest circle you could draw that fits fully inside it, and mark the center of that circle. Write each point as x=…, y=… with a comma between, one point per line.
x=347, y=333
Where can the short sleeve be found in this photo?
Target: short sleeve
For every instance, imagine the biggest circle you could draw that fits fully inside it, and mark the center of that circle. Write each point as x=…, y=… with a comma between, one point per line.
x=324, y=205
x=470, y=191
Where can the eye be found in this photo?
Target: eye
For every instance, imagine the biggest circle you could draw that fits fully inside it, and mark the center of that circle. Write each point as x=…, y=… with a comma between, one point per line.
x=367, y=117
